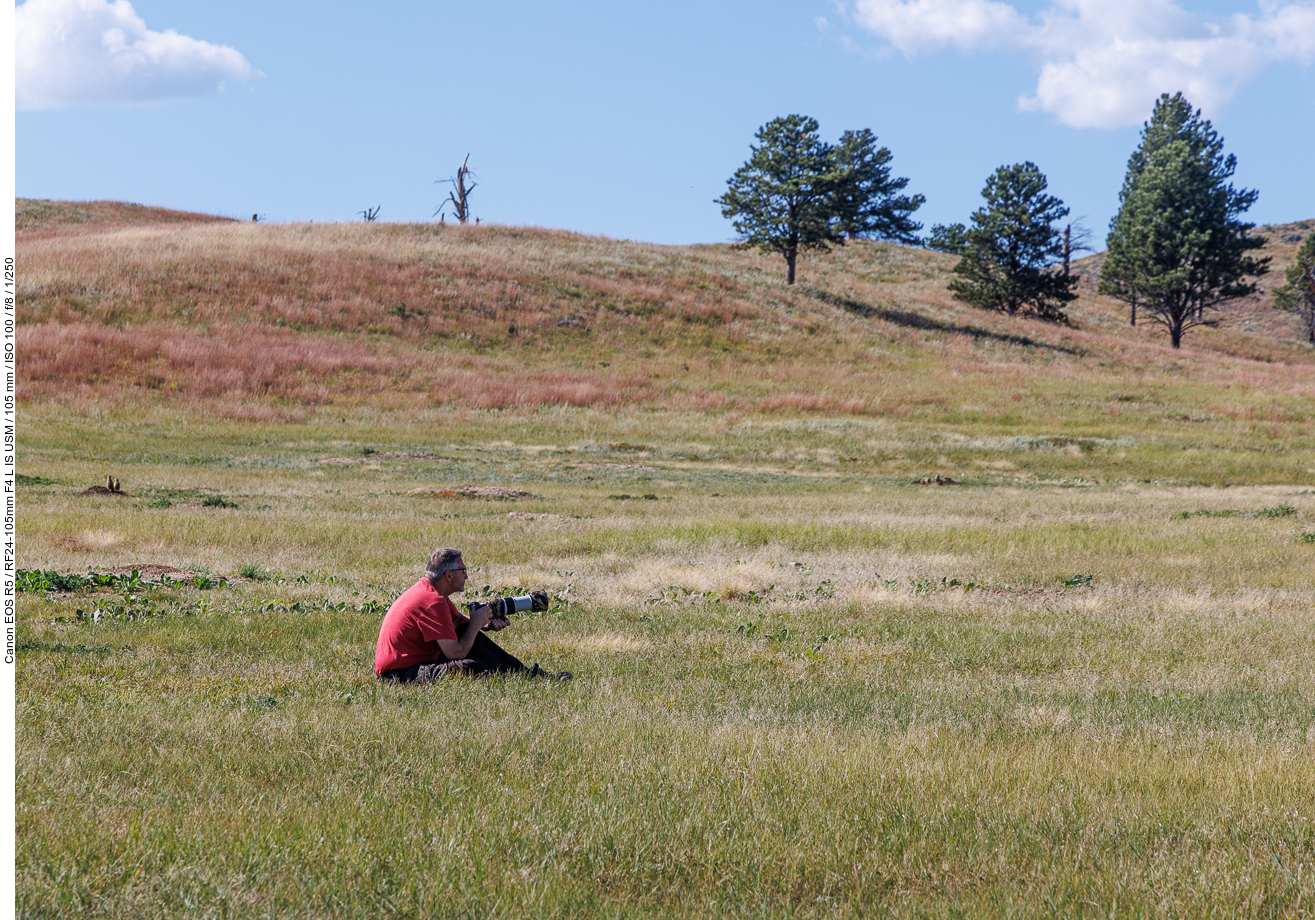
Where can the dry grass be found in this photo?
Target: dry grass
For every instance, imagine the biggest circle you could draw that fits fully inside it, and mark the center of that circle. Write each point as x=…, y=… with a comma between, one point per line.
x=805, y=686
x=34, y=216
x=424, y=315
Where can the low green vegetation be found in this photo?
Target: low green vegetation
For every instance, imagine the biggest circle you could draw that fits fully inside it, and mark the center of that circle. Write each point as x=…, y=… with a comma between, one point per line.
x=253, y=571
x=35, y=580
x=1275, y=512
x=23, y=480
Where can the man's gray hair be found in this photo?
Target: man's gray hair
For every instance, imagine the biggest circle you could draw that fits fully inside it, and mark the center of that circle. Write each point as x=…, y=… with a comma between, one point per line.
x=442, y=561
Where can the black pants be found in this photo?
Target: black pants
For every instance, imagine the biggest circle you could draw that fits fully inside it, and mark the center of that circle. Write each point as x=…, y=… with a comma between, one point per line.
x=485, y=657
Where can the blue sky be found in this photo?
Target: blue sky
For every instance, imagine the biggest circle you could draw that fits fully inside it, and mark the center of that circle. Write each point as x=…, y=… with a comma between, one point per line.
x=627, y=119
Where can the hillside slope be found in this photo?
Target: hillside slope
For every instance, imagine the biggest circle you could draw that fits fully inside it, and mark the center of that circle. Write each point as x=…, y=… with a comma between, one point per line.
x=35, y=215
x=126, y=309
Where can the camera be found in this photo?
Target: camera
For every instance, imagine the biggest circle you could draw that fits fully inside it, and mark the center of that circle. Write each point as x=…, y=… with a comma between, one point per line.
x=504, y=607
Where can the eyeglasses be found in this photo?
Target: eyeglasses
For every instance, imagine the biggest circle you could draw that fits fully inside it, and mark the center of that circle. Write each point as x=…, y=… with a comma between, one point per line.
x=462, y=569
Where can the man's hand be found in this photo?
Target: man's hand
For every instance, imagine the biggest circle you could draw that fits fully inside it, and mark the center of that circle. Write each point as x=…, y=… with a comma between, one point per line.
x=480, y=616
x=490, y=622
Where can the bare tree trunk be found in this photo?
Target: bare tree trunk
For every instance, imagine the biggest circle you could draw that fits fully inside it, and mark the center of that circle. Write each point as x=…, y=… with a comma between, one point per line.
x=1133, y=304
x=460, y=192
x=790, y=254
x=1068, y=247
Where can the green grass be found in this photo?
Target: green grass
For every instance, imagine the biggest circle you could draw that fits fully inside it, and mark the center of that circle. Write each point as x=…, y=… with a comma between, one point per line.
x=795, y=695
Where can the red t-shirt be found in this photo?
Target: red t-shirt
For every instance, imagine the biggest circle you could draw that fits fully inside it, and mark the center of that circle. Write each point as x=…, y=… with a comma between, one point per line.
x=412, y=627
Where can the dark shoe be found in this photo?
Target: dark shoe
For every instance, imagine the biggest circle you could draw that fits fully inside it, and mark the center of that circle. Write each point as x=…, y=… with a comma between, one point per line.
x=540, y=673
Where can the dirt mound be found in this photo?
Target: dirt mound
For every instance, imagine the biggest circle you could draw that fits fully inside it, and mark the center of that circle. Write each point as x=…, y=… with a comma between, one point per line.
x=111, y=487
x=469, y=491
x=535, y=516
x=937, y=480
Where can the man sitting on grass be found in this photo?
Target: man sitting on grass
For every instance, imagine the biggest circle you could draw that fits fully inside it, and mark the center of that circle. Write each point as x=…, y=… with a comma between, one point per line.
x=424, y=636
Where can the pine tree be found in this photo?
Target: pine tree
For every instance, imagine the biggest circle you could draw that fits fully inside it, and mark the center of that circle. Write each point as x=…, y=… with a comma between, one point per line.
x=867, y=200
x=1177, y=247
x=1007, y=255
x=797, y=192
x=1298, y=295
x=1173, y=119
x=782, y=199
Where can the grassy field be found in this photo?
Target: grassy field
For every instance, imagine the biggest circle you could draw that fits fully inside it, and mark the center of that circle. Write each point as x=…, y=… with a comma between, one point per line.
x=1078, y=682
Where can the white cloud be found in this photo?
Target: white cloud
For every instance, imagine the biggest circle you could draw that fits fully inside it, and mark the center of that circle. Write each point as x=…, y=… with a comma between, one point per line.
x=1103, y=62
x=1291, y=29
x=918, y=25
x=93, y=52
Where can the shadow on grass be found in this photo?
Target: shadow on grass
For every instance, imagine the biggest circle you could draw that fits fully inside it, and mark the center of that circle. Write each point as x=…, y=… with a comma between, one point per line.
x=911, y=320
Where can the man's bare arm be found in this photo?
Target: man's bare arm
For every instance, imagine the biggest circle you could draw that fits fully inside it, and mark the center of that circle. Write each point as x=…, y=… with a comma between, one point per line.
x=460, y=647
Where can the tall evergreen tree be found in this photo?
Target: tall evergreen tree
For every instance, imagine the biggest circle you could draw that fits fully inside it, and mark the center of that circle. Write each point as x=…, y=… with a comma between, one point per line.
x=1177, y=246
x=1008, y=253
x=1298, y=295
x=867, y=200
x=797, y=192
x=782, y=199
x=1173, y=119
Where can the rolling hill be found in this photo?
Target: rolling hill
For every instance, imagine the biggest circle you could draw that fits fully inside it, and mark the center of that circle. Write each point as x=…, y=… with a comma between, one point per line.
x=124, y=308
